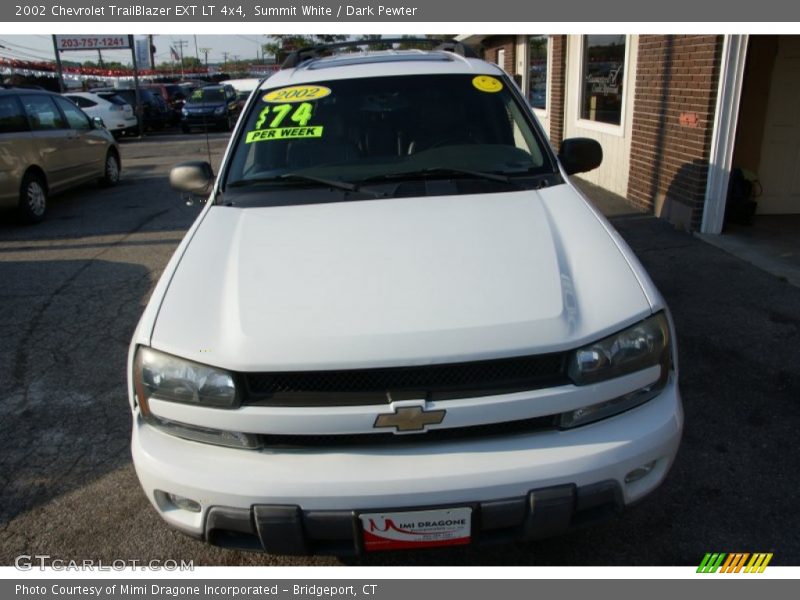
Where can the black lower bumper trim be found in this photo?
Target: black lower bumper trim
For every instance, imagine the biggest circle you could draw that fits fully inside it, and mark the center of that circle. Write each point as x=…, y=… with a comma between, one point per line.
x=288, y=530
x=280, y=529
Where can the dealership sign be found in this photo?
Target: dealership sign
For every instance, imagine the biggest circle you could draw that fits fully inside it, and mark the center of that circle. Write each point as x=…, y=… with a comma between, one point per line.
x=91, y=42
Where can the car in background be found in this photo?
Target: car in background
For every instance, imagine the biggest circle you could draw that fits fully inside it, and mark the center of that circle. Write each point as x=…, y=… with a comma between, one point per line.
x=116, y=114
x=47, y=145
x=175, y=97
x=191, y=85
x=155, y=112
x=243, y=87
x=211, y=106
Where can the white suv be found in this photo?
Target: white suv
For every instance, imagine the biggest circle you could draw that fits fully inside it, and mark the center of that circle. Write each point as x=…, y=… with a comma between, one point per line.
x=396, y=324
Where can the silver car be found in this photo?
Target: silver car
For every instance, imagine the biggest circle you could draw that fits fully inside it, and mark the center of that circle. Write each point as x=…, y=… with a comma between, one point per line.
x=47, y=145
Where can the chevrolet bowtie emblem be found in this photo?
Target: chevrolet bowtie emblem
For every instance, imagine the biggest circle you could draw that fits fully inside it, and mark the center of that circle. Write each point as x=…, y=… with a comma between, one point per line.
x=410, y=418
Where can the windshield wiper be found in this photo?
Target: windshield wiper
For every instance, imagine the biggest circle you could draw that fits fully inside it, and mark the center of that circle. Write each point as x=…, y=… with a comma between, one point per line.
x=333, y=183
x=445, y=171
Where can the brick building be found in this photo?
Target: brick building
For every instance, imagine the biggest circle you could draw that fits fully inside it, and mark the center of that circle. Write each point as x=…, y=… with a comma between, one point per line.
x=674, y=113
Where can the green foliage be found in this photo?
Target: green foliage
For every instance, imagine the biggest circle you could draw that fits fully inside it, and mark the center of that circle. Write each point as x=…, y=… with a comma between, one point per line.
x=281, y=45
x=375, y=44
x=107, y=64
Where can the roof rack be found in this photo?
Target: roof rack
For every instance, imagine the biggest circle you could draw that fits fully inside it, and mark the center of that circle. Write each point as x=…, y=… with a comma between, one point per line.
x=310, y=52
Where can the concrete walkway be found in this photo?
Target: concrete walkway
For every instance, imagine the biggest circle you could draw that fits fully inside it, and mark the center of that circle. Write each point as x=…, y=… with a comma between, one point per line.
x=609, y=203
x=772, y=243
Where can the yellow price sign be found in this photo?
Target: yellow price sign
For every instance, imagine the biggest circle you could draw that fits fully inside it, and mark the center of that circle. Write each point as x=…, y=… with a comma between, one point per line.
x=283, y=133
x=300, y=115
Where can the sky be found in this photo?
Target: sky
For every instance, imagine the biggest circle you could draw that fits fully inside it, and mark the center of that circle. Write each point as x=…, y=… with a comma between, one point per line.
x=40, y=47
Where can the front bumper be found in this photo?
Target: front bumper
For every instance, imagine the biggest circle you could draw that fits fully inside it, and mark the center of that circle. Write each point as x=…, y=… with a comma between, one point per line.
x=208, y=121
x=305, y=500
x=288, y=529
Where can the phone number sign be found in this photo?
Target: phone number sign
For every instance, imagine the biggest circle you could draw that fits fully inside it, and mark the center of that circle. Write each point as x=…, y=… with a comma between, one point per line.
x=92, y=42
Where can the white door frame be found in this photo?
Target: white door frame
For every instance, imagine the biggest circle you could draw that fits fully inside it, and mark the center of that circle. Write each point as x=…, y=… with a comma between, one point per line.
x=723, y=138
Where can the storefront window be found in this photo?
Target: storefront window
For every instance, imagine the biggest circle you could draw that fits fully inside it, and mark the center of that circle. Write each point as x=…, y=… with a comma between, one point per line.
x=501, y=58
x=537, y=71
x=603, y=64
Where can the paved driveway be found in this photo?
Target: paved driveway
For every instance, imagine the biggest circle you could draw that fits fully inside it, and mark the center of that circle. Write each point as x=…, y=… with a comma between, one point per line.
x=72, y=289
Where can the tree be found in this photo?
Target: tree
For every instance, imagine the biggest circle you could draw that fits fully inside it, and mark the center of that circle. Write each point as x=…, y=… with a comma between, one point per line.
x=191, y=62
x=373, y=45
x=410, y=44
x=283, y=44
x=111, y=65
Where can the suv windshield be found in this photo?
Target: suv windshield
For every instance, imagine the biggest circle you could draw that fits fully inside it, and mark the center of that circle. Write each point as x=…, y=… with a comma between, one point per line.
x=208, y=95
x=387, y=129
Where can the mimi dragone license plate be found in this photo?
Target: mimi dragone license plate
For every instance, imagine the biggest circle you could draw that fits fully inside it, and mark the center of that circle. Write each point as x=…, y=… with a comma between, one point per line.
x=416, y=529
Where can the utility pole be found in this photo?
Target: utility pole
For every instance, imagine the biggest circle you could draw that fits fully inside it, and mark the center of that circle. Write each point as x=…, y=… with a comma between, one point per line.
x=100, y=58
x=150, y=52
x=196, y=53
x=180, y=44
x=59, y=69
x=205, y=52
x=139, y=111
x=224, y=61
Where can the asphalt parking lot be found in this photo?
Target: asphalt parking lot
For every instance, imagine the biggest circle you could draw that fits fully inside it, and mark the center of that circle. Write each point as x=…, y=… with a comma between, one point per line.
x=72, y=290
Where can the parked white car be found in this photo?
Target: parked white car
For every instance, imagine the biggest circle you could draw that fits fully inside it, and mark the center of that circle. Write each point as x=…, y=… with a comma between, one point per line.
x=117, y=115
x=243, y=87
x=397, y=324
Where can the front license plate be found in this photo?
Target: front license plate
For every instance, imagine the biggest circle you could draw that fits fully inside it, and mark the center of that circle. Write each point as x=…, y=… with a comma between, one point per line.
x=416, y=529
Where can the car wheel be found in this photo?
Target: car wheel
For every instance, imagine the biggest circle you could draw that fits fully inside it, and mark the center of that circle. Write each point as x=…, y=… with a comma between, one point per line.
x=32, y=198
x=111, y=170
x=185, y=128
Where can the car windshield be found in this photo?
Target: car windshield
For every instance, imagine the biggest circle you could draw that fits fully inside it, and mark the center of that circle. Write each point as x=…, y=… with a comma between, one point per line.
x=388, y=128
x=208, y=95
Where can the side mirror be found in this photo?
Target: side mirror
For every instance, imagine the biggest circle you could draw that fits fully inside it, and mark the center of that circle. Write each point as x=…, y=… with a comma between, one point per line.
x=97, y=123
x=578, y=155
x=193, y=177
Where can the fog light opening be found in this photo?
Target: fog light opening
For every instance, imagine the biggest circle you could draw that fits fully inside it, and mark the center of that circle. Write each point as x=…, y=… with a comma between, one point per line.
x=183, y=503
x=640, y=472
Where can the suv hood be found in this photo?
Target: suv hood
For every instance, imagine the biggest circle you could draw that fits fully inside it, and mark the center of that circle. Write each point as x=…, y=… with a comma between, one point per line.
x=394, y=282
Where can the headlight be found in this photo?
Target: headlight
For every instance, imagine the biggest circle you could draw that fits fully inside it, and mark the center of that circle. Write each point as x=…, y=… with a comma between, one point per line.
x=218, y=437
x=646, y=344
x=165, y=377
x=220, y=110
x=184, y=112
